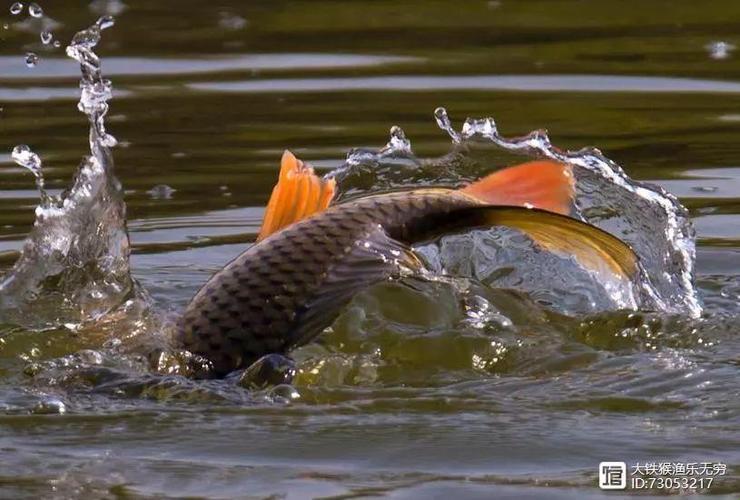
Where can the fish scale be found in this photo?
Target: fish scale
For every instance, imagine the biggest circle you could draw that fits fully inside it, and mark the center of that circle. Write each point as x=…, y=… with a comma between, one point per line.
x=252, y=306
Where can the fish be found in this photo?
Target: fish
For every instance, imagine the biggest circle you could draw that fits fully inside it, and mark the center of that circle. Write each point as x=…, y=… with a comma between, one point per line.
x=312, y=256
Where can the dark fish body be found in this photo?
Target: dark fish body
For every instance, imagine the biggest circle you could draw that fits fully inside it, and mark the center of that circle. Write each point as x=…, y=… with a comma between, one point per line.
x=284, y=290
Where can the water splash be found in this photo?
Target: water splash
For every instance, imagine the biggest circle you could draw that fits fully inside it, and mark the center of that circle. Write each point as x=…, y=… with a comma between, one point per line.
x=74, y=265
x=651, y=220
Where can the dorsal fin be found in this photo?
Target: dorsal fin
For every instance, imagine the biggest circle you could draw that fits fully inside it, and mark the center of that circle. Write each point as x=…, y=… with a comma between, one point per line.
x=298, y=194
x=538, y=184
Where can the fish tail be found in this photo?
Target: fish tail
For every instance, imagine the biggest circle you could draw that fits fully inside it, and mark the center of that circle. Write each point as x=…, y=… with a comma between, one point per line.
x=542, y=184
x=298, y=194
x=592, y=247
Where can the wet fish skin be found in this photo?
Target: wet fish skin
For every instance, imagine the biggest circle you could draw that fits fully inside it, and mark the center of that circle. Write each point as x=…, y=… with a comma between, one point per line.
x=312, y=258
x=284, y=290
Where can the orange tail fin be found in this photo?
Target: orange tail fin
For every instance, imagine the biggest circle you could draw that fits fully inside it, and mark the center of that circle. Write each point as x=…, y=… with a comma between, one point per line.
x=298, y=194
x=540, y=184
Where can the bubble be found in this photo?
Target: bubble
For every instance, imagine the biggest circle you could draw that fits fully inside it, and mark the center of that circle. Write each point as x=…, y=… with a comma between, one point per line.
x=31, y=59
x=16, y=8
x=57, y=44
x=46, y=37
x=35, y=10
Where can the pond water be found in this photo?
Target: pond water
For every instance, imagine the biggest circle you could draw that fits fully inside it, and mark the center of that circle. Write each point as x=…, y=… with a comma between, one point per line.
x=410, y=394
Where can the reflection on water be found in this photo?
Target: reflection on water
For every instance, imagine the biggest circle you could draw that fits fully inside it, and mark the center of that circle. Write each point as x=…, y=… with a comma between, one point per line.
x=114, y=66
x=523, y=83
x=416, y=390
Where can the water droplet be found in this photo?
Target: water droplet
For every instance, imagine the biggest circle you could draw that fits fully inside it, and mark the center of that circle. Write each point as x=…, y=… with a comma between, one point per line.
x=31, y=59
x=443, y=121
x=16, y=8
x=57, y=43
x=106, y=22
x=23, y=156
x=719, y=50
x=35, y=10
x=485, y=127
x=6, y=26
x=46, y=37
x=398, y=142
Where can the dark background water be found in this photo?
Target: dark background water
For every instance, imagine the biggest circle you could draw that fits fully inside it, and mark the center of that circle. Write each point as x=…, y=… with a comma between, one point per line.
x=402, y=399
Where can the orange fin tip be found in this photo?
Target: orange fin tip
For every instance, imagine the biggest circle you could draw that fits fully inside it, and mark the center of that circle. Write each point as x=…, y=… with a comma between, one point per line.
x=298, y=194
x=543, y=184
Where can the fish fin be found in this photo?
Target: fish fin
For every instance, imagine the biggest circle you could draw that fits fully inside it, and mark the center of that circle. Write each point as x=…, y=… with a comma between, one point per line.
x=298, y=194
x=540, y=184
x=593, y=248
x=372, y=259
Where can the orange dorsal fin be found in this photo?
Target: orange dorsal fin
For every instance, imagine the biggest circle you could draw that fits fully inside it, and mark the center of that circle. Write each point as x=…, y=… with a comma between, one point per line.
x=539, y=184
x=298, y=194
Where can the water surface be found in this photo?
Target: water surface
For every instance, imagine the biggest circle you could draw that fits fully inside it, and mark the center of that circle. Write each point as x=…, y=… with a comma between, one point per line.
x=404, y=397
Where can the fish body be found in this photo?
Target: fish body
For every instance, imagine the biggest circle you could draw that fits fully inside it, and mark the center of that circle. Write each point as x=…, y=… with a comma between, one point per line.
x=266, y=300
x=285, y=289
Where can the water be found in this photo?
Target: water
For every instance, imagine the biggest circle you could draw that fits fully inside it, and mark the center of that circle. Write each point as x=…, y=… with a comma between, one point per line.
x=433, y=389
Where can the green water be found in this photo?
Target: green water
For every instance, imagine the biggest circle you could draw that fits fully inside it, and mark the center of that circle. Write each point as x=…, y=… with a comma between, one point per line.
x=402, y=398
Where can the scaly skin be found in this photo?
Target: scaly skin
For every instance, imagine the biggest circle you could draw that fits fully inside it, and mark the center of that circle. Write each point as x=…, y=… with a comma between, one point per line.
x=264, y=301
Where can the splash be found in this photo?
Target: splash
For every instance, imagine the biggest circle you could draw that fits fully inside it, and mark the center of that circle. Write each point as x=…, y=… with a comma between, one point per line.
x=651, y=220
x=74, y=265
